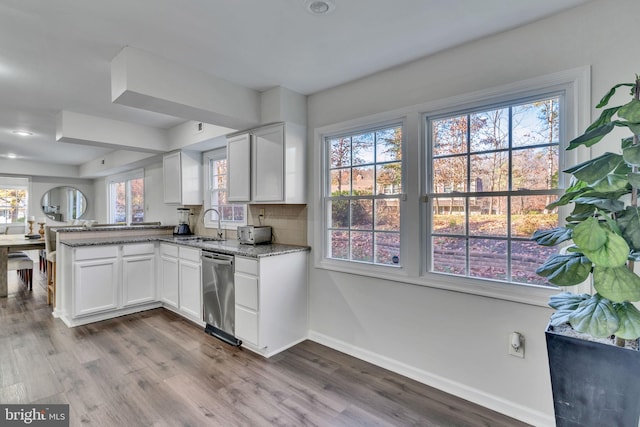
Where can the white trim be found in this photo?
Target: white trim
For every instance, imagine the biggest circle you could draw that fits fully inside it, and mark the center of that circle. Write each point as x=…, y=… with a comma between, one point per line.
x=431, y=379
x=577, y=82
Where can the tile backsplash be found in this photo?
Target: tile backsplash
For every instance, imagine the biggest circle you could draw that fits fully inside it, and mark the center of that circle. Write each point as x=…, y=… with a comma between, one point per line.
x=288, y=222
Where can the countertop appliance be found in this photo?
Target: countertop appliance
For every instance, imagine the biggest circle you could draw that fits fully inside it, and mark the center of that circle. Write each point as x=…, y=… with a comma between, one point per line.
x=254, y=234
x=218, y=295
x=183, y=222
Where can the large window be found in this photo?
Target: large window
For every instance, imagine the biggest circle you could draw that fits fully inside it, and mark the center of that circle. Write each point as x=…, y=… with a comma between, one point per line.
x=126, y=197
x=13, y=199
x=231, y=214
x=491, y=173
x=363, y=194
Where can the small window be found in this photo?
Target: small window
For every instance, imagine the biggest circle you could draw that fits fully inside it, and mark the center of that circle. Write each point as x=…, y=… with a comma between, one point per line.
x=363, y=194
x=126, y=197
x=491, y=173
x=13, y=200
x=231, y=214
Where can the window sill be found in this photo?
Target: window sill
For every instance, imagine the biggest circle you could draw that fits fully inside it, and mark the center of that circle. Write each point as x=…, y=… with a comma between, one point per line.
x=524, y=294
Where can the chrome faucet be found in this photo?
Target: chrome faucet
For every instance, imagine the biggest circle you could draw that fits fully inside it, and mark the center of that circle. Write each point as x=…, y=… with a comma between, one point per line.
x=219, y=233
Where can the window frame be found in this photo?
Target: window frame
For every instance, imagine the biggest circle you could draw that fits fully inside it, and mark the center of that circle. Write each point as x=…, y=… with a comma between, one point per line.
x=126, y=177
x=207, y=157
x=505, y=102
x=354, y=265
x=577, y=83
x=16, y=183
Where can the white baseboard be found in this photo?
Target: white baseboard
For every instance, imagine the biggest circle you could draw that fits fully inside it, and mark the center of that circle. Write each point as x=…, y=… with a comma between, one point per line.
x=463, y=391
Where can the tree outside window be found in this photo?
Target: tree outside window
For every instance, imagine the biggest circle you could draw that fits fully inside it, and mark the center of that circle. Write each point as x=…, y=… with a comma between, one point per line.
x=126, y=198
x=364, y=189
x=493, y=172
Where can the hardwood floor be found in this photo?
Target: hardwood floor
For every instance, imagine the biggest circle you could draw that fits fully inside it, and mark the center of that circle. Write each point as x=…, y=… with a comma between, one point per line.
x=155, y=369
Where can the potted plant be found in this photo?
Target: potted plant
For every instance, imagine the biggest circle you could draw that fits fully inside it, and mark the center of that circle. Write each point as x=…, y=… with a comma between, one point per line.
x=595, y=383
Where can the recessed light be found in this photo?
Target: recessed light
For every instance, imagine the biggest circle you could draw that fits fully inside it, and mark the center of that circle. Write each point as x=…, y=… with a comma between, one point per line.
x=320, y=7
x=22, y=132
x=12, y=156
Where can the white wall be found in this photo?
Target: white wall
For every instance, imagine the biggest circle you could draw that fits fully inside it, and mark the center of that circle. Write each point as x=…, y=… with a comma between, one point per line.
x=457, y=341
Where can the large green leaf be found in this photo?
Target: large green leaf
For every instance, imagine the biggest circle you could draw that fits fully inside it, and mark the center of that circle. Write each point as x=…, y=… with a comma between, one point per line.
x=567, y=197
x=589, y=235
x=629, y=223
x=567, y=300
x=605, y=117
x=595, y=316
x=581, y=212
x=610, y=183
x=605, y=99
x=629, y=318
x=613, y=253
x=607, y=204
x=631, y=155
x=595, y=169
x=630, y=111
x=552, y=237
x=617, y=284
x=565, y=270
x=565, y=304
x=634, y=179
x=591, y=137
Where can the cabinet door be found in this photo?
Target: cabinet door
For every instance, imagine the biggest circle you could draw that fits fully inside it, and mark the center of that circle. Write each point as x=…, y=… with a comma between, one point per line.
x=95, y=286
x=247, y=325
x=169, y=280
x=171, y=177
x=138, y=280
x=267, y=183
x=239, y=168
x=190, y=289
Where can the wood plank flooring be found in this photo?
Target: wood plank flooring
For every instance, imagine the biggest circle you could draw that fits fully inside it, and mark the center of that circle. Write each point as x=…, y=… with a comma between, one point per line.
x=156, y=369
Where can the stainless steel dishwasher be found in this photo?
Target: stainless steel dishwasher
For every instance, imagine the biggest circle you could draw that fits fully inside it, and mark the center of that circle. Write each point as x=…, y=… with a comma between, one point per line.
x=218, y=294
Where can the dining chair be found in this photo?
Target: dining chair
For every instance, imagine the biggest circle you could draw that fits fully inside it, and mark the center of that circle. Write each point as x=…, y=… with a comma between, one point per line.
x=21, y=262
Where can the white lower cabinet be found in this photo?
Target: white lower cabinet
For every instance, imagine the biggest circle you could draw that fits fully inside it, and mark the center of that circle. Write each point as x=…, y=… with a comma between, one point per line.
x=271, y=301
x=190, y=283
x=95, y=281
x=138, y=274
x=169, y=293
x=106, y=281
x=181, y=281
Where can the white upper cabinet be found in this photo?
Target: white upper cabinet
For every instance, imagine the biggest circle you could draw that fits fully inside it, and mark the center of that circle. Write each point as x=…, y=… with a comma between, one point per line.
x=267, y=165
x=239, y=171
x=182, y=177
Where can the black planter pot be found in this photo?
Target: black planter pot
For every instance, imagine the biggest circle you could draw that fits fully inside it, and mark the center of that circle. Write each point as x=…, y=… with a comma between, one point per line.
x=593, y=384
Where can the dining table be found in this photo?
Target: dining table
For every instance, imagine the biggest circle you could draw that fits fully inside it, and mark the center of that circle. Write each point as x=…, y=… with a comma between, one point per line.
x=14, y=243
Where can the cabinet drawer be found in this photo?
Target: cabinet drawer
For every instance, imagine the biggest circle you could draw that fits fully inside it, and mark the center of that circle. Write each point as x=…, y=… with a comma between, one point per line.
x=246, y=291
x=96, y=252
x=138, y=249
x=189, y=254
x=247, y=265
x=247, y=325
x=169, y=250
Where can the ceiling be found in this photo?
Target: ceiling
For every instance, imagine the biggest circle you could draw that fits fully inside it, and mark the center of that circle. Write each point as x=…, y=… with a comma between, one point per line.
x=56, y=55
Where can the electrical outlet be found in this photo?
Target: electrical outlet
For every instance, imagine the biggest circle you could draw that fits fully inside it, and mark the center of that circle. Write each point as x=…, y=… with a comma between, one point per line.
x=516, y=344
x=261, y=212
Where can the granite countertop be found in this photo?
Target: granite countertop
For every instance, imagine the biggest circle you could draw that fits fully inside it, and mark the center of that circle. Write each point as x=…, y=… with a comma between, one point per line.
x=230, y=247
x=78, y=228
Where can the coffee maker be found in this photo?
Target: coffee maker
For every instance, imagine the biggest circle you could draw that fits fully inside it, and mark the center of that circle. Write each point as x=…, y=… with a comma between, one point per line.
x=183, y=223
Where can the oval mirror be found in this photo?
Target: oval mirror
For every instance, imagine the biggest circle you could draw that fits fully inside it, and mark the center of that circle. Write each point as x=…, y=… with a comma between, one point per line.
x=64, y=204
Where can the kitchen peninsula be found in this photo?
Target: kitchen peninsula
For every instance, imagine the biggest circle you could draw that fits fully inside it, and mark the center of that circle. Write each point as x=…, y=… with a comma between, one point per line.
x=109, y=272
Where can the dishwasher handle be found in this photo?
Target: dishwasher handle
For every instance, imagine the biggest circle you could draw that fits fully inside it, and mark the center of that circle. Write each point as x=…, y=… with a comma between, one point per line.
x=216, y=258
